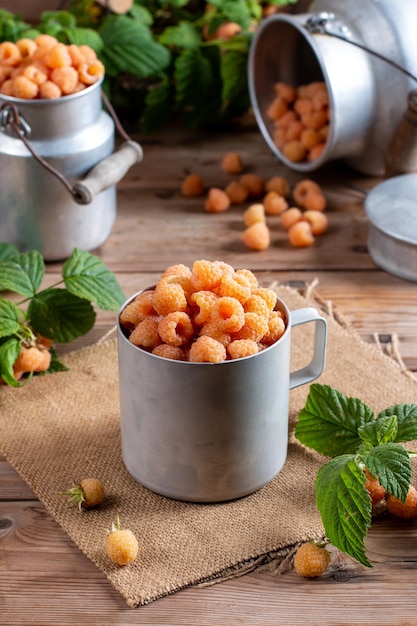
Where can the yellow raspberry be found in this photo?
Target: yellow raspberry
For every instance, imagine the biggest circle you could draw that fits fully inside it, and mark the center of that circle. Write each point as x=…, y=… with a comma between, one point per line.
x=268, y=295
x=373, y=486
x=192, y=186
x=211, y=330
x=121, y=545
x=35, y=74
x=206, y=275
x=66, y=78
x=217, y=201
x=169, y=297
x=253, y=214
x=226, y=268
x=206, y=349
x=276, y=328
x=26, y=47
x=136, y=311
x=204, y=300
x=256, y=304
x=49, y=91
x=46, y=41
x=6, y=87
x=407, y=509
x=146, y=333
x=250, y=276
x=24, y=88
x=176, y=328
x=169, y=352
x=57, y=56
x=235, y=286
x=32, y=359
x=88, y=53
x=228, y=314
x=236, y=192
x=257, y=236
x=184, y=281
x=241, y=348
x=90, y=73
x=254, y=327
x=87, y=494
x=311, y=560
x=274, y=203
x=177, y=270
x=10, y=54
x=77, y=58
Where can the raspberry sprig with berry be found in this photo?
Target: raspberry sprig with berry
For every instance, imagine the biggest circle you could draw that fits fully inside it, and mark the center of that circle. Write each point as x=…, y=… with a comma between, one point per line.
x=367, y=463
x=56, y=314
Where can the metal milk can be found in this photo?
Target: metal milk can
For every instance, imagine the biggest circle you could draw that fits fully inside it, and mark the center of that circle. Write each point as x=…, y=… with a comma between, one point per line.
x=58, y=172
x=366, y=53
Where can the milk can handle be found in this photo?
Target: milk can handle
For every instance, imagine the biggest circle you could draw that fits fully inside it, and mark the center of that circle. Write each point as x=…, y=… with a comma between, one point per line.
x=111, y=169
x=105, y=174
x=313, y=370
x=326, y=23
x=108, y=172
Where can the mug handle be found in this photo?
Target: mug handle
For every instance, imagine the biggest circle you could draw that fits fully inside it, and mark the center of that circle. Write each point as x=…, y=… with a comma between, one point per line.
x=313, y=370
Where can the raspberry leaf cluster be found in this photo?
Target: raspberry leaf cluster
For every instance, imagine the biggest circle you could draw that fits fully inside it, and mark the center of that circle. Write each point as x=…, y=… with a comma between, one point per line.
x=163, y=59
x=61, y=312
x=347, y=431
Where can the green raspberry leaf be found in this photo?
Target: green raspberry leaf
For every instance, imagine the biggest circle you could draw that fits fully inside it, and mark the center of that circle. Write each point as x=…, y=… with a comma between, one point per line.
x=22, y=273
x=234, y=75
x=407, y=420
x=344, y=505
x=390, y=464
x=9, y=351
x=234, y=11
x=184, y=35
x=9, y=318
x=61, y=315
x=56, y=364
x=330, y=421
x=86, y=276
x=382, y=430
x=142, y=14
x=58, y=19
x=128, y=46
x=193, y=77
x=7, y=251
x=159, y=106
x=84, y=36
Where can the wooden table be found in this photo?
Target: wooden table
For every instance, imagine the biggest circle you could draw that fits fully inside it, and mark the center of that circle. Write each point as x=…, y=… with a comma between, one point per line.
x=44, y=579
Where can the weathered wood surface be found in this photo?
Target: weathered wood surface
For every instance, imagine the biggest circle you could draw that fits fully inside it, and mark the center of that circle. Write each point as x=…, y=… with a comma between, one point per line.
x=45, y=580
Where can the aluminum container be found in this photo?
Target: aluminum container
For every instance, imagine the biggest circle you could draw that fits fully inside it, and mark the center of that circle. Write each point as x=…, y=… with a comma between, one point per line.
x=367, y=95
x=75, y=136
x=210, y=432
x=391, y=208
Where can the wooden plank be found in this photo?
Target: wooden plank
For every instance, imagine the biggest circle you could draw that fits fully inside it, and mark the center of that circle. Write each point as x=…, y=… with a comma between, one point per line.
x=51, y=582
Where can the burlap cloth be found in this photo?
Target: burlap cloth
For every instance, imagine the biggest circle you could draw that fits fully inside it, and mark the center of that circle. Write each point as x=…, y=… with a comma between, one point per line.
x=65, y=427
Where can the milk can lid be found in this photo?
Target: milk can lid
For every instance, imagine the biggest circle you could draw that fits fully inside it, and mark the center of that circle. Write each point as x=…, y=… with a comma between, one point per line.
x=392, y=207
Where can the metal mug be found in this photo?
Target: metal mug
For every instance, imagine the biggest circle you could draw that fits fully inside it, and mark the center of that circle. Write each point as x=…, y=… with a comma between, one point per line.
x=211, y=432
